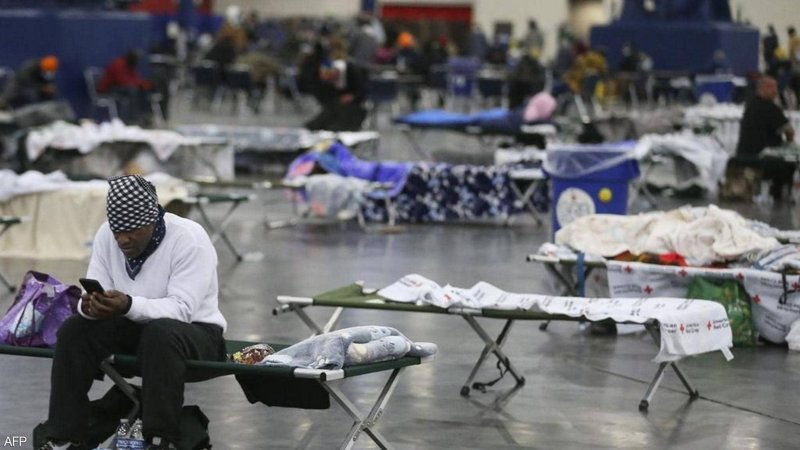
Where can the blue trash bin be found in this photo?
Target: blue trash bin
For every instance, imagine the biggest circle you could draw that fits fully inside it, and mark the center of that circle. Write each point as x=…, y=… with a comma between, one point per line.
x=589, y=180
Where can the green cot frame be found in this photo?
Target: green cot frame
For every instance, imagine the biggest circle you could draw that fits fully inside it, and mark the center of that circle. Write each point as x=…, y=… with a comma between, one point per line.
x=355, y=296
x=217, y=231
x=362, y=422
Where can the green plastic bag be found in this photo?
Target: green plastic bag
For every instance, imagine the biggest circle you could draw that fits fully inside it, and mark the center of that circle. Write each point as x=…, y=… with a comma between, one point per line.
x=734, y=298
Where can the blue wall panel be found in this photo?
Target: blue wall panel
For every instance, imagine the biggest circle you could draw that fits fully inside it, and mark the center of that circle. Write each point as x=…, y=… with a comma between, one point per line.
x=78, y=38
x=681, y=46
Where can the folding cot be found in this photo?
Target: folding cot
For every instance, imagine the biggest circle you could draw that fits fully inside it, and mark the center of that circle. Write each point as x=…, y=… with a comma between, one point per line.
x=773, y=296
x=108, y=149
x=572, y=282
x=295, y=186
x=572, y=272
x=204, y=370
x=217, y=231
x=255, y=147
x=487, y=123
x=7, y=222
x=356, y=296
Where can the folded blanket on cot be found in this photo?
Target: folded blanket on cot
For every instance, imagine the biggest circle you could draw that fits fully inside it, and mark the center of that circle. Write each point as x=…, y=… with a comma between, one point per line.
x=349, y=346
x=688, y=327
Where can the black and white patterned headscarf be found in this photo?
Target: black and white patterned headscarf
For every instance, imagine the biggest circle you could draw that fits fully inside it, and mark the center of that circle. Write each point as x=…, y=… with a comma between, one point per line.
x=131, y=203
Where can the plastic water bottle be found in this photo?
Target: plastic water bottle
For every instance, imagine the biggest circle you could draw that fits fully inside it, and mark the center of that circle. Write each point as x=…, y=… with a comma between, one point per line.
x=122, y=432
x=133, y=440
x=136, y=431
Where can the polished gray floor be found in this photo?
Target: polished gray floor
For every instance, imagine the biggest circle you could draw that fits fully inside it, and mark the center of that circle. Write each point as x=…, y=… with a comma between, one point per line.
x=582, y=390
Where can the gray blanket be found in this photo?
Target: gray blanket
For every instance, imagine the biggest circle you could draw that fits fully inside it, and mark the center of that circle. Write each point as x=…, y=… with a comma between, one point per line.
x=349, y=346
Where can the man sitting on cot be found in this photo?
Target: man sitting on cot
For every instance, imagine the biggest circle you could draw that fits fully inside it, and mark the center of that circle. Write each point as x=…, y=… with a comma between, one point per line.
x=159, y=272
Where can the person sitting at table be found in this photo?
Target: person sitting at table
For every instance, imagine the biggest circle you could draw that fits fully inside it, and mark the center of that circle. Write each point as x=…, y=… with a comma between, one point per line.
x=765, y=125
x=122, y=80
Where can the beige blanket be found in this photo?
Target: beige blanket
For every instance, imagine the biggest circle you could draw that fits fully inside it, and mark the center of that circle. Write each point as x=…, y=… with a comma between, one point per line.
x=701, y=235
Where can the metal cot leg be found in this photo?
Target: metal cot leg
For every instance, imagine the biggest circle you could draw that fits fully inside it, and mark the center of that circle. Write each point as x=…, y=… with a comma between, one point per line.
x=644, y=404
x=365, y=422
x=525, y=197
x=219, y=232
x=490, y=346
x=124, y=386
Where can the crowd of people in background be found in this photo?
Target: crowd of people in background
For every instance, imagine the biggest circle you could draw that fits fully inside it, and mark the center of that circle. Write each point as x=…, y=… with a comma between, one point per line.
x=332, y=60
x=782, y=62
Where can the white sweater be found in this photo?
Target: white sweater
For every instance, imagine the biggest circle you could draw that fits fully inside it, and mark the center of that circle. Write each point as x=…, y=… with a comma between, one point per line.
x=178, y=281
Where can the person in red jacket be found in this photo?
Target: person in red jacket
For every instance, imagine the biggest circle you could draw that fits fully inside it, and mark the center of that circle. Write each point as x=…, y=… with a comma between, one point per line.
x=122, y=80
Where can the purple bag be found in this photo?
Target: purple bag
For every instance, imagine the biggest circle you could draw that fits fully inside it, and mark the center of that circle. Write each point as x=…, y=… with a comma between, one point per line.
x=41, y=306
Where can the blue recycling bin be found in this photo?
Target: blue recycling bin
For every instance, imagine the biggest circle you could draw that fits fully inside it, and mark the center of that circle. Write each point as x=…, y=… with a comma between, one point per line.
x=590, y=179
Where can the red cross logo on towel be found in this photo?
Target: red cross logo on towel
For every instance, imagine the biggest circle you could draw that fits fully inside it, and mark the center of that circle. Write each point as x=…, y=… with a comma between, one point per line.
x=756, y=298
x=683, y=272
x=682, y=328
x=796, y=286
x=709, y=325
x=628, y=269
x=648, y=289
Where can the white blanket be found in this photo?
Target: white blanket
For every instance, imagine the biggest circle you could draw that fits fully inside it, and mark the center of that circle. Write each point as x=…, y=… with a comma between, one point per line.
x=87, y=136
x=725, y=119
x=705, y=157
x=32, y=181
x=772, y=314
x=64, y=215
x=688, y=327
x=701, y=235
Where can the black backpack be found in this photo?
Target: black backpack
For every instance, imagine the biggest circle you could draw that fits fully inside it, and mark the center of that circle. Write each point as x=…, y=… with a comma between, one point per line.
x=106, y=412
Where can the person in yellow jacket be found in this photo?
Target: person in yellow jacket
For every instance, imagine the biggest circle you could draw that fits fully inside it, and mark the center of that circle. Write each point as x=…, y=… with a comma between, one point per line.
x=587, y=64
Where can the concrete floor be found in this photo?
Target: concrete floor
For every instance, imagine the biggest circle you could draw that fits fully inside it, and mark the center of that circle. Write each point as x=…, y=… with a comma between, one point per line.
x=582, y=390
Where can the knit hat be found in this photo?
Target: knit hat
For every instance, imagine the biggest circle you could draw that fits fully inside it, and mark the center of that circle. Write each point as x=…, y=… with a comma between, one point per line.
x=131, y=203
x=405, y=40
x=48, y=63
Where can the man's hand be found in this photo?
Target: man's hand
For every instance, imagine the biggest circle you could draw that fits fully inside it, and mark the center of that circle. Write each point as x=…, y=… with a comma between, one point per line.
x=105, y=305
x=86, y=304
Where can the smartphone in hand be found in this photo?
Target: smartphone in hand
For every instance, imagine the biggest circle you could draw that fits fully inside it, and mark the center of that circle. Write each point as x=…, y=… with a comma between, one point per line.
x=91, y=286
